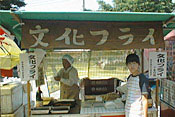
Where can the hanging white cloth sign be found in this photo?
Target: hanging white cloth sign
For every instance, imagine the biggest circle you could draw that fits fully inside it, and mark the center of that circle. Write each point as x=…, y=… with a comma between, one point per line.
x=28, y=67
x=157, y=64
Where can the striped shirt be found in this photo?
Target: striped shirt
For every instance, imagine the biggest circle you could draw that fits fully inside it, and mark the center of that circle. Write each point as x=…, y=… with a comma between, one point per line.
x=134, y=107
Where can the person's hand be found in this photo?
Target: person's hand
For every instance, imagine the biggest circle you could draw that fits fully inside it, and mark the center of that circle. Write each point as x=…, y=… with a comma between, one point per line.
x=86, y=78
x=82, y=82
x=112, y=78
x=57, y=78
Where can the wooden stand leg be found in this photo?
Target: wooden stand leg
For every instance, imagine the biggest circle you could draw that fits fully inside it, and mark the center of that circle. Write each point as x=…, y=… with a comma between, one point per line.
x=28, y=98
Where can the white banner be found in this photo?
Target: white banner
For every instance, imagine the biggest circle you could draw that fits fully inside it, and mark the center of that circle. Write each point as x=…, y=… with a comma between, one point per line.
x=28, y=67
x=40, y=55
x=157, y=64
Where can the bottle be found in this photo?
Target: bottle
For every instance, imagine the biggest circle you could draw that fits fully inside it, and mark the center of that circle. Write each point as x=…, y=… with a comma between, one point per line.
x=39, y=100
x=150, y=101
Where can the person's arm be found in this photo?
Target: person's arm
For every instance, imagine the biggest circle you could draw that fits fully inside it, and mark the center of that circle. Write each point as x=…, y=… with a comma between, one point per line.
x=58, y=76
x=145, y=105
x=145, y=92
x=73, y=78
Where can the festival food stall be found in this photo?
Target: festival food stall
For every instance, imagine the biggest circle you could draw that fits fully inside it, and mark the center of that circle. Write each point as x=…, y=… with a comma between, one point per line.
x=94, y=31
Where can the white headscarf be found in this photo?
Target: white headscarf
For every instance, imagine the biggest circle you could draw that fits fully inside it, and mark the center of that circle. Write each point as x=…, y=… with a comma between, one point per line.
x=68, y=58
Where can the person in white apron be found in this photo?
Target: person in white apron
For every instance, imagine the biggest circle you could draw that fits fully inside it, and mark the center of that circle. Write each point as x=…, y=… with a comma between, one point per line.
x=68, y=77
x=137, y=85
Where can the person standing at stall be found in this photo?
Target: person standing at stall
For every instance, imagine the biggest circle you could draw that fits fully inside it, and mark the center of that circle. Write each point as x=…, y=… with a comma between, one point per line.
x=137, y=85
x=68, y=77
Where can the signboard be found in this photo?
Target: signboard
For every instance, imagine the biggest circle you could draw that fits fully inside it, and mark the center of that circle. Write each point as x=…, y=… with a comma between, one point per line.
x=93, y=35
x=157, y=64
x=40, y=57
x=28, y=67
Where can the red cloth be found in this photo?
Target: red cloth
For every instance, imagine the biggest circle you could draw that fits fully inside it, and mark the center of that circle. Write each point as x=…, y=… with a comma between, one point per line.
x=1, y=31
x=170, y=36
x=6, y=73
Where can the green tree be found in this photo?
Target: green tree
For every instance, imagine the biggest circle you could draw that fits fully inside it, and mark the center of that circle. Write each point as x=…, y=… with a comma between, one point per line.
x=138, y=5
x=8, y=4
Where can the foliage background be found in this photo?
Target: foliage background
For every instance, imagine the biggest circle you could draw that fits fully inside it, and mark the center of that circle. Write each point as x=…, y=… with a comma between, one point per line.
x=8, y=4
x=138, y=6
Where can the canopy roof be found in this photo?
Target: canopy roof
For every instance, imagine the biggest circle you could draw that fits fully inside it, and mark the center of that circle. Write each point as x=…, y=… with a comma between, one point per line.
x=10, y=20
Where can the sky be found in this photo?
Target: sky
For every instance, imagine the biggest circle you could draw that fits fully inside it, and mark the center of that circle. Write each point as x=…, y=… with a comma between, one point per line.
x=61, y=5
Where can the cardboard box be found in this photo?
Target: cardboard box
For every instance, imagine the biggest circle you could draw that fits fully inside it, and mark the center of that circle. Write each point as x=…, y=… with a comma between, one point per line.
x=18, y=113
x=11, y=97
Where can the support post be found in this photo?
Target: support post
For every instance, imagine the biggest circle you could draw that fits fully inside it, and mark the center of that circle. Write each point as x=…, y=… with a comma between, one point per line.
x=157, y=95
x=28, y=98
x=157, y=92
x=90, y=52
x=142, y=57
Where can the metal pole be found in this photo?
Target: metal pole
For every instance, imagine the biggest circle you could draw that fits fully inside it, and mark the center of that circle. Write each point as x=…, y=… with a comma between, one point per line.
x=47, y=85
x=83, y=5
x=142, y=58
x=90, y=53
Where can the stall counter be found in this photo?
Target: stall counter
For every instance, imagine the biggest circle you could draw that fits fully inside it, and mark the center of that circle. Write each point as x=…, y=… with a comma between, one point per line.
x=99, y=112
x=102, y=112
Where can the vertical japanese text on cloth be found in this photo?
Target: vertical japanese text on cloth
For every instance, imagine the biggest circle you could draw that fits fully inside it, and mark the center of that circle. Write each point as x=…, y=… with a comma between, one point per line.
x=28, y=67
x=157, y=64
x=33, y=66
